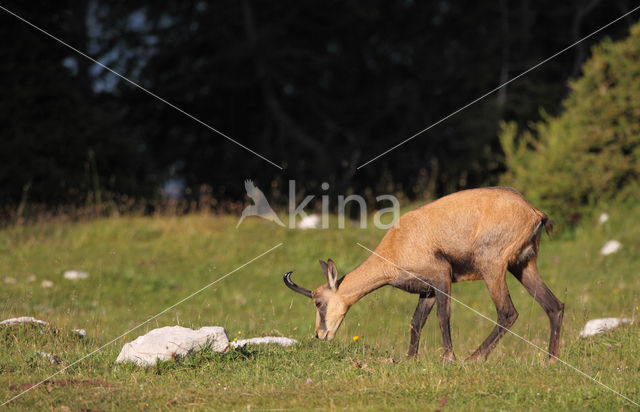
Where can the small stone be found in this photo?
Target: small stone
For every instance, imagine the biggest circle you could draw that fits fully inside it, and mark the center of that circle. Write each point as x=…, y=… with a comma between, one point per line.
x=603, y=218
x=309, y=222
x=597, y=326
x=75, y=275
x=80, y=332
x=286, y=342
x=9, y=280
x=23, y=319
x=46, y=284
x=610, y=247
x=53, y=359
x=32, y=278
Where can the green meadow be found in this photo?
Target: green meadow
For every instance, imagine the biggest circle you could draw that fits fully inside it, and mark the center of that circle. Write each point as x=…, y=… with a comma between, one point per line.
x=138, y=266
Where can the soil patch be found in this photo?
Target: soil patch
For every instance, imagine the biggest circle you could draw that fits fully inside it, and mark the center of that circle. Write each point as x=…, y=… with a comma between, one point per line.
x=50, y=385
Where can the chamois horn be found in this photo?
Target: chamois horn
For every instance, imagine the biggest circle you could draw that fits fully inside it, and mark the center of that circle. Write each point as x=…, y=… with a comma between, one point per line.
x=293, y=286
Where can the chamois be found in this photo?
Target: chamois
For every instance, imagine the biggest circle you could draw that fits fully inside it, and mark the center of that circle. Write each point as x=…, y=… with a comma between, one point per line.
x=469, y=235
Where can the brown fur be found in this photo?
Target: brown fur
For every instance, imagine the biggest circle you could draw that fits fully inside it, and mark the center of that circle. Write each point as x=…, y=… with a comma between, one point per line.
x=469, y=235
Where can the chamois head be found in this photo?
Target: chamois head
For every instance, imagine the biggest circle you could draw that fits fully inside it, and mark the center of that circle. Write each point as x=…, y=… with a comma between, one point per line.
x=330, y=307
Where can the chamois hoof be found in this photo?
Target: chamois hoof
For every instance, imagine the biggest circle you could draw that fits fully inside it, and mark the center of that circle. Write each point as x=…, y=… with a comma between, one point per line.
x=475, y=357
x=448, y=357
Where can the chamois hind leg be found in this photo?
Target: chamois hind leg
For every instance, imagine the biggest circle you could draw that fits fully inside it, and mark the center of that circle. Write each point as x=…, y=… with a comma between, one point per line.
x=443, y=293
x=496, y=282
x=528, y=275
x=425, y=304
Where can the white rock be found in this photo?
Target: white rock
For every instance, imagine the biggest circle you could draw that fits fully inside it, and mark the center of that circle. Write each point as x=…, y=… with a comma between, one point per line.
x=286, y=342
x=9, y=280
x=603, y=218
x=610, y=247
x=170, y=341
x=309, y=222
x=596, y=326
x=23, y=319
x=80, y=332
x=46, y=284
x=75, y=275
x=53, y=359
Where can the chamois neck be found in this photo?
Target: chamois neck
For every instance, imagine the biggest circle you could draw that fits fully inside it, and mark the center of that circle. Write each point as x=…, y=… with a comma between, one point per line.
x=364, y=279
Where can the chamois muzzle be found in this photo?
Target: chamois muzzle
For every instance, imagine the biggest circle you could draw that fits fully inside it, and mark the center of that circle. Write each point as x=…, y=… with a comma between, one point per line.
x=293, y=286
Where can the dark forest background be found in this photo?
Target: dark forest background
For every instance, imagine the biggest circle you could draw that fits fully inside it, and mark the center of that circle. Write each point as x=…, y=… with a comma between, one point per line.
x=318, y=88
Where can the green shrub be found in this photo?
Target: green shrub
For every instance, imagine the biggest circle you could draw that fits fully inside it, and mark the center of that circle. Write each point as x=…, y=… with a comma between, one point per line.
x=590, y=153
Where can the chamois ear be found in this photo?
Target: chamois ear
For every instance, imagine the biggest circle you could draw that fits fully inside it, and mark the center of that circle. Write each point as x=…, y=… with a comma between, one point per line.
x=332, y=275
x=325, y=268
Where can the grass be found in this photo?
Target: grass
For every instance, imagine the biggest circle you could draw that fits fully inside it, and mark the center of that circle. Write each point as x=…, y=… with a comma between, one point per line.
x=140, y=265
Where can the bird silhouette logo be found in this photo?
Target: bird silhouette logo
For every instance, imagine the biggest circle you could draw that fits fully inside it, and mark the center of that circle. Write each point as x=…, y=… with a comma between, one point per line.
x=260, y=207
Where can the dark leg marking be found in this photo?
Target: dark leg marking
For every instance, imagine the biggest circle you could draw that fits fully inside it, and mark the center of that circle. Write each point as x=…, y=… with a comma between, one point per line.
x=425, y=304
x=528, y=275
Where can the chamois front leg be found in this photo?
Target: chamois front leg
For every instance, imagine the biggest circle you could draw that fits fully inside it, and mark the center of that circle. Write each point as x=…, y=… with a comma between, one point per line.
x=507, y=313
x=425, y=304
x=444, y=315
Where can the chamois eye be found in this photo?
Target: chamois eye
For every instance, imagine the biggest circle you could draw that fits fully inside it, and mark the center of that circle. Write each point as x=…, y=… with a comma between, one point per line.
x=318, y=304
